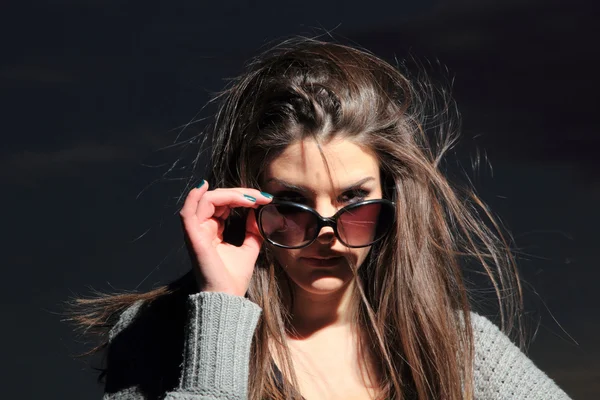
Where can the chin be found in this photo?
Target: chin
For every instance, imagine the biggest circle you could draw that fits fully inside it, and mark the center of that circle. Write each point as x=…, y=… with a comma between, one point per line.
x=324, y=282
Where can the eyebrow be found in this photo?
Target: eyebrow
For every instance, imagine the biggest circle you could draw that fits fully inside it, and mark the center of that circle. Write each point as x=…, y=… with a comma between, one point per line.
x=303, y=189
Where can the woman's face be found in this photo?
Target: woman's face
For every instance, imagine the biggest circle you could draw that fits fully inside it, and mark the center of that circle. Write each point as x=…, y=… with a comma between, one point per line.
x=300, y=175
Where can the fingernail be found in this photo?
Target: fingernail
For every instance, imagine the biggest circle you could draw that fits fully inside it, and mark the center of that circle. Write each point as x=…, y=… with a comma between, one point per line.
x=267, y=195
x=200, y=184
x=249, y=197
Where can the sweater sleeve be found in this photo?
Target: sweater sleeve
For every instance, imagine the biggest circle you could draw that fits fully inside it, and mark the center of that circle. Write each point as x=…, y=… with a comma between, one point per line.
x=216, y=354
x=216, y=341
x=502, y=371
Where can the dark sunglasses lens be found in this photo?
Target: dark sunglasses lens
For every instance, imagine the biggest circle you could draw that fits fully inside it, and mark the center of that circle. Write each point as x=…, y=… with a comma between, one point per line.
x=365, y=224
x=288, y=225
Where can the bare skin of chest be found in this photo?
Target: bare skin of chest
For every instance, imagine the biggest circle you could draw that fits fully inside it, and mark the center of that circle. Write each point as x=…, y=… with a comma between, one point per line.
x=327, y=368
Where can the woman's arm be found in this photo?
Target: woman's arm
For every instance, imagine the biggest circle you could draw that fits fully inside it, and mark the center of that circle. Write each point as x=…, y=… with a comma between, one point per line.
x=217, y=347
x=502, y=371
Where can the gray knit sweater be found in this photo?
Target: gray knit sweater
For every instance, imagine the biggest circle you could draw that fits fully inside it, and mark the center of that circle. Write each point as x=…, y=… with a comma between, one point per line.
x=145, y=361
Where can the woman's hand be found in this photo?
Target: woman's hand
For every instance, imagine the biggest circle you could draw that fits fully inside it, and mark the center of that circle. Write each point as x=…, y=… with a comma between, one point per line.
x=220, y=266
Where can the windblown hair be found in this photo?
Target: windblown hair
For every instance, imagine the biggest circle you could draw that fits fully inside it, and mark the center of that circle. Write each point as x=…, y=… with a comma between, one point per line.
x=411, y=294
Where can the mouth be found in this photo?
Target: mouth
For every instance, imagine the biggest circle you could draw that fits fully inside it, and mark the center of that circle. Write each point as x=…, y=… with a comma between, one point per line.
x=322, y=262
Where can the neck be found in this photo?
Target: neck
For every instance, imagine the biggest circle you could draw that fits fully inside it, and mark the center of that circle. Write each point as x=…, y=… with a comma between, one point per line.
x=313, y=312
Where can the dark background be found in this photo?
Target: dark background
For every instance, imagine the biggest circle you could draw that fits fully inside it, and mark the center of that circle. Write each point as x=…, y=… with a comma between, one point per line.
x=91, y=90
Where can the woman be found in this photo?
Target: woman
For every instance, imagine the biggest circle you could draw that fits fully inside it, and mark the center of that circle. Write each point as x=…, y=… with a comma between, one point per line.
x=328, y=254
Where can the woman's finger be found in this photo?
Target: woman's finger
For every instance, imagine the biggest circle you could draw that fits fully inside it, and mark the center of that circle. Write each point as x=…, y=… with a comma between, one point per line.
x=228, y=197
x=222, y=212
x=191, y=202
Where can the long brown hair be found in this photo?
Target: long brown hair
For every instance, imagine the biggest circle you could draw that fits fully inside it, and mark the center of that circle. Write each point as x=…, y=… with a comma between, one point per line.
x=412, y=300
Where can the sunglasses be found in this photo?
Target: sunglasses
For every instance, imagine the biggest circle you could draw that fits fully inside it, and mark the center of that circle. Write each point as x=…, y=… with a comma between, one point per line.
x=293, y=226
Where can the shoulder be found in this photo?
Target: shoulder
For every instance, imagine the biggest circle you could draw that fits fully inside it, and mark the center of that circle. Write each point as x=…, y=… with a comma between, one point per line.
x=493, y=346
x=494, y=351
x=145, y=346
x=485, y=330
x=145, y=319
x=126, y=318
x=501, y=370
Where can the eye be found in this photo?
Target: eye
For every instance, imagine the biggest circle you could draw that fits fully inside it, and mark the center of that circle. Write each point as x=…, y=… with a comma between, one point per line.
x=354, y=196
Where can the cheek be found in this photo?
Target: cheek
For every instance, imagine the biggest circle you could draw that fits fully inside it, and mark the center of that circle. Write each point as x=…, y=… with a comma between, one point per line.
x=361, y=255
x=284, y=257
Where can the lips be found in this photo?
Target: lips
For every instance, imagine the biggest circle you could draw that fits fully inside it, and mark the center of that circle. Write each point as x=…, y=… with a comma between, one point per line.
x=322, y=262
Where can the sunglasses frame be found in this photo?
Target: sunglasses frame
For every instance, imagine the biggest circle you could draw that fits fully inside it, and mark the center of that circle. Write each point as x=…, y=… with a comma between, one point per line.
x=322, y=221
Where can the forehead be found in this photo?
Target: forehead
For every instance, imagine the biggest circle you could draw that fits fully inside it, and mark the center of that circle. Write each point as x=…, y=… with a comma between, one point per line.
x=302, y=162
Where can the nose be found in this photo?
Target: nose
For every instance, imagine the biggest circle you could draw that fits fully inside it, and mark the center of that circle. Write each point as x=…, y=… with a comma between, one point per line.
x=326, y=235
